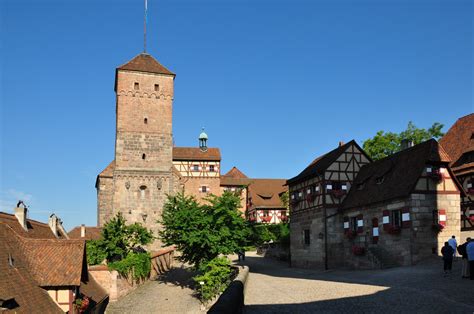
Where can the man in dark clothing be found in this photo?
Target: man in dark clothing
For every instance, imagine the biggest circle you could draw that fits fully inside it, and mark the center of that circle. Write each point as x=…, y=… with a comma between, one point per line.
x=447, y=251
x=465, y=263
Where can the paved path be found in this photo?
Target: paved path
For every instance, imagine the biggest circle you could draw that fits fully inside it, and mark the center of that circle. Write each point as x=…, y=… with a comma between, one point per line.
x=172, y=293
x=275, y=288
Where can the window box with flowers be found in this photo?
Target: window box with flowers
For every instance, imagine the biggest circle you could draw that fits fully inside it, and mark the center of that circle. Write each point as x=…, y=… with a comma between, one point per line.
x=310, y=197
x=337, y=189
x=437, y=227
x=350, y=234
x=81, y=304
x=358, y=250
x=394, y=230
x=267, y=218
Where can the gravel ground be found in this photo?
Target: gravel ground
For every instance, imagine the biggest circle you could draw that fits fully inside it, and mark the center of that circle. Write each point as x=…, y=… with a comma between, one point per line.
x=273, y=287
x=171, y=293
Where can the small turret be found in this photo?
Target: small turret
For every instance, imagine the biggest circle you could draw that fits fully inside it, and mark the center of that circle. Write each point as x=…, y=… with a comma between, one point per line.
x=203, y=141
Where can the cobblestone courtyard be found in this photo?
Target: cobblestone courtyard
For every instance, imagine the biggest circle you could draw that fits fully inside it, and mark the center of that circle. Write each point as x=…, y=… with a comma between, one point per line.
x=273, y=287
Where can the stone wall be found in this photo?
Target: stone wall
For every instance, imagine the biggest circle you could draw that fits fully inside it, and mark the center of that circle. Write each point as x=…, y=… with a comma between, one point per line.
x=414, y=243
x=313, y=255
x=105, y=196
x=115, y=285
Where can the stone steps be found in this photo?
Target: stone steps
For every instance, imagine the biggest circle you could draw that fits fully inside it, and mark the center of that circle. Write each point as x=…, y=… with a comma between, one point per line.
x=382, y=257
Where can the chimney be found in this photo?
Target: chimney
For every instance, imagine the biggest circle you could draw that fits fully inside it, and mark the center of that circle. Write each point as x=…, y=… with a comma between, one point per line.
x=83, y=231
x=20, y=214
x=56, y=225
x=406, y=143
x=341, y=143
x=53, y=224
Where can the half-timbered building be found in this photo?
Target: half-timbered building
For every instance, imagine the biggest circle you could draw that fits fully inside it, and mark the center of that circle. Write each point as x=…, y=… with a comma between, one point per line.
x=315, y=196
x=459, y=144
x=198, y=168
x=264, y=204
x=401, y=209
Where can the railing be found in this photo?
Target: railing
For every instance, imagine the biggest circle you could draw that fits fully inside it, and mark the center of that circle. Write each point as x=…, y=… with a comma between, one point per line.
x=161, y=261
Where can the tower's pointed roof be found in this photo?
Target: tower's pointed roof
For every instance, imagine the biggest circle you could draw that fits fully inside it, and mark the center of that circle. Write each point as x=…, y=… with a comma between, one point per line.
x=145, y=63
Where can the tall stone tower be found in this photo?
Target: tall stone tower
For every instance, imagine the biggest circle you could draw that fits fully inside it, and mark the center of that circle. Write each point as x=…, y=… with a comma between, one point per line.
x=137, y=181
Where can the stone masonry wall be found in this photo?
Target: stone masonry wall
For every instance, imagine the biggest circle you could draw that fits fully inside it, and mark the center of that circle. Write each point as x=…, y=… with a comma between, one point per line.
x=105, y=192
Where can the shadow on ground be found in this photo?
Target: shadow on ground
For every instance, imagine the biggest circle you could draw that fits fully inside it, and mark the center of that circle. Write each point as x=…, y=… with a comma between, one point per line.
x=419, y=288
x=181, y=276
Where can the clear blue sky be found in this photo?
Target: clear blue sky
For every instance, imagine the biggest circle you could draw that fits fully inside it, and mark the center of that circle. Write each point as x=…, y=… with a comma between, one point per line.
x=275, y=83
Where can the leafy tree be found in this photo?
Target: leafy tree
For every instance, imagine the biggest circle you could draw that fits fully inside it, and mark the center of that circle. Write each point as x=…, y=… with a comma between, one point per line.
x=117, y=240
x=384, y=144
x=285, y=199
x=203, y=231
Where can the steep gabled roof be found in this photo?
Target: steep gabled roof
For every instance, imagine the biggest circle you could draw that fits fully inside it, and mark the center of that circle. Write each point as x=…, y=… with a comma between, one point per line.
x=195, y=153
x=235, y=173
x=265, y=193
x=55, y=262
x=400, y=172
x=459, y=142
x=145, y=63
x=320, y=164
x=108, y=172
x=15, y=280
x=36, y=229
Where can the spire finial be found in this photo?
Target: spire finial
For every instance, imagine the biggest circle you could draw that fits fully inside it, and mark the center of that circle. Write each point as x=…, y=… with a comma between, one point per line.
x=145, y=20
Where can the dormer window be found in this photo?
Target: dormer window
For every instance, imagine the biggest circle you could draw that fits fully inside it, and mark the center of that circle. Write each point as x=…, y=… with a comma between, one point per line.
x=136, y=86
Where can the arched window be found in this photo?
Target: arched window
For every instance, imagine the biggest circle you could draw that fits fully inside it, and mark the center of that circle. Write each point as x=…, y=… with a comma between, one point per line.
x=142, y=191
x=143, y=156
x=145, y=120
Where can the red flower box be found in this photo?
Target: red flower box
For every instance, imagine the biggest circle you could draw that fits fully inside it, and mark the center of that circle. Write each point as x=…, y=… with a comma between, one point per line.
x=310, y=198
x=437, y=227
x=350, y=234
x=394, y=230
x=339, y=193
x=358, y=250
x=267, y=218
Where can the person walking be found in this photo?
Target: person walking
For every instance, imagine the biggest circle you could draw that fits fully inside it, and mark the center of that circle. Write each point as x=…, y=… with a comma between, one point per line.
x=447, y=252
x=465, y=263
x=470, y=258
x=453, y=243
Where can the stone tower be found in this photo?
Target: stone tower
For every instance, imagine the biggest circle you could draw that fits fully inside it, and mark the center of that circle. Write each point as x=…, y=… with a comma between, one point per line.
x=137, y=181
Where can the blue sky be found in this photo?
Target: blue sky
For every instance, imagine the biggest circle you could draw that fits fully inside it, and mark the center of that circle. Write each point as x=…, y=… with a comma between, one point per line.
x=275, y=83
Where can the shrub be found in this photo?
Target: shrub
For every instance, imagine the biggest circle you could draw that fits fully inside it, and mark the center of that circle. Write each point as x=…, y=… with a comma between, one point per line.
x=117, y=240
x=136, y=266
x=214, y=277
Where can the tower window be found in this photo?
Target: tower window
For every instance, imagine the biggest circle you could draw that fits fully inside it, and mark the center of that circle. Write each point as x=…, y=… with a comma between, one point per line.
x=142, y=191
x=157, y=87
x=136, y=86
x=145, y=120
x=143, y=156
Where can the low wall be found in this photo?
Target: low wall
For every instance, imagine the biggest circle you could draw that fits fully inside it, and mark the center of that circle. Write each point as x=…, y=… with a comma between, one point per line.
x=114, y=284
x=232, y=300
x=118, y=286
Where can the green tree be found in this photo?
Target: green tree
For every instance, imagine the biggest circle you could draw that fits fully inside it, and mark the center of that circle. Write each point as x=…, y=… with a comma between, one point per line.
x=203, y=231
x=117, y=240
x=384, y=144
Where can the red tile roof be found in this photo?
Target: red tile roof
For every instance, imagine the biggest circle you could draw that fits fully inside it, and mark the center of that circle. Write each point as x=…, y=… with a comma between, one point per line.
x=265, y=193
x=108, y=172
x=55, y=262
x=459, y=141
x=229, y=181
x=195, y=153
x=235, y=173
x=36, y=229
x=145, y=63
x=400, y=173
x=16, y=281
x=92, y=233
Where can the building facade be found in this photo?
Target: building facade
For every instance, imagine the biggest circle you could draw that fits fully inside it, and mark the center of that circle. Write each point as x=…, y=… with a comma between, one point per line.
x=459, y=144
x=349, y=211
